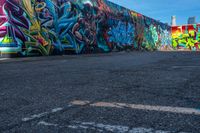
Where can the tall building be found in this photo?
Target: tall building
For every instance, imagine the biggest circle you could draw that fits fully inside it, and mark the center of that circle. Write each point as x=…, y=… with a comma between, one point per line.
x=192, y=20
x=173, y=23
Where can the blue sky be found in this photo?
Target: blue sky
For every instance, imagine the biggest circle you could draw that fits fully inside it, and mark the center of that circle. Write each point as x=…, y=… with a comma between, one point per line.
x=163, y=9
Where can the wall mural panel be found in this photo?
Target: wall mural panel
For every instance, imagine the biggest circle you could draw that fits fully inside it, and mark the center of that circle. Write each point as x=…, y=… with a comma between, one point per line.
x=50, y=27
x=186, y=37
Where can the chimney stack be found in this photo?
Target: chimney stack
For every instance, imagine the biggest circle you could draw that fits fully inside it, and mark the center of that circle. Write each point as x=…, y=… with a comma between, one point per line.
x=173, y=21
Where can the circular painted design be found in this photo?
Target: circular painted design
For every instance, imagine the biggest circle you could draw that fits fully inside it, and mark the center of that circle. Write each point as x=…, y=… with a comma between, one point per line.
x=40, y=6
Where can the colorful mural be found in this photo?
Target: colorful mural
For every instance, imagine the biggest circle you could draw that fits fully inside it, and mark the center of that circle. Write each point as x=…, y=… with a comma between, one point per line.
x=50, y=27
x=186, y=37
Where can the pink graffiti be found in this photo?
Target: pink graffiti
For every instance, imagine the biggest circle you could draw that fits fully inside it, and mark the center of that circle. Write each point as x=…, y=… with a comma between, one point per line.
x=12, y=13
x=3, y=19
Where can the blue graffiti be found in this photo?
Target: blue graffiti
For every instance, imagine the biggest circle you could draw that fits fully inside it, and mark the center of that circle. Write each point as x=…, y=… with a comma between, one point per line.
x=122, y=34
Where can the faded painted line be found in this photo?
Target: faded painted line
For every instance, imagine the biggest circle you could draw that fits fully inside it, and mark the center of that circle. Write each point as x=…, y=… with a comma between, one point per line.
x=114, y=128
x=38, y=116
x=185, y=66
x=179, y=110
x=99, y=127
x=47, y=124
x=2, y=59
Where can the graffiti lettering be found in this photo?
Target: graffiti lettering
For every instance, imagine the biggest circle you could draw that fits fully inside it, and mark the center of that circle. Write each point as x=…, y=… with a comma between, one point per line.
x=48, y=27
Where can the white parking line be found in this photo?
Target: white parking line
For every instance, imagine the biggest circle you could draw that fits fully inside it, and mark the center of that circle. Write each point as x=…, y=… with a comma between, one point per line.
x=38, y=116
x=114, y=128
x=47, y=124
x=176, y=67
x=34, y=116
x=2, y=59
x=179, y=110
x=107, y=127
x=99, y=127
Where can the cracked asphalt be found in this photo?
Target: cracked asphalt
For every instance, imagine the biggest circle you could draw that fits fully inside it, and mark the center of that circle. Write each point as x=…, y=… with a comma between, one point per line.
x=36, y=93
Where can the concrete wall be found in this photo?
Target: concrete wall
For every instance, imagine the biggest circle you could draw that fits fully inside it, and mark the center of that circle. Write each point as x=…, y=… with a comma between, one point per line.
x=49, y=27
x=186, y=37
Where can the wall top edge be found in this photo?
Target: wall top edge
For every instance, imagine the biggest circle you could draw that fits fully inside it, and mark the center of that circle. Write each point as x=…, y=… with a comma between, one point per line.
x=186, y=25
x=138, y=13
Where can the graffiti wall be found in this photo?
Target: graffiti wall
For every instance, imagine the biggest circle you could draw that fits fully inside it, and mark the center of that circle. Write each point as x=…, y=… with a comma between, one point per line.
x=50, y=27
x=186, y=37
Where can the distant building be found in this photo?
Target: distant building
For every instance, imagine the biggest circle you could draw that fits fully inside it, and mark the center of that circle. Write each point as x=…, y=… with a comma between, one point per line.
x=173, y=23
x=192, y=20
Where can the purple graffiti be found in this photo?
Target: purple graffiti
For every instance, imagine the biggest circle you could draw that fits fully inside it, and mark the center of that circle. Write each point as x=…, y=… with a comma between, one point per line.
x=12, y=13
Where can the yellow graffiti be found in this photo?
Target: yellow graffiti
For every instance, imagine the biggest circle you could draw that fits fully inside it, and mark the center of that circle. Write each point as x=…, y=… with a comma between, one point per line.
x=35, y=32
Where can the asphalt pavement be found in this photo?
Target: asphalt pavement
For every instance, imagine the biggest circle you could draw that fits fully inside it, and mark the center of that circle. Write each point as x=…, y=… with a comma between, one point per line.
x=120, y=92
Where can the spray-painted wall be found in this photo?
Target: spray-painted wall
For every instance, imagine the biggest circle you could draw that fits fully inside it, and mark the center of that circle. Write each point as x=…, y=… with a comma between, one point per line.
x=186, y=37
x=48, y=27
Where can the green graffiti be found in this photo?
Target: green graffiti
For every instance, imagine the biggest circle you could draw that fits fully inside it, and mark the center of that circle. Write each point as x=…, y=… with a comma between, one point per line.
x=7, y=40
x=187, y=39
x=154, y=34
